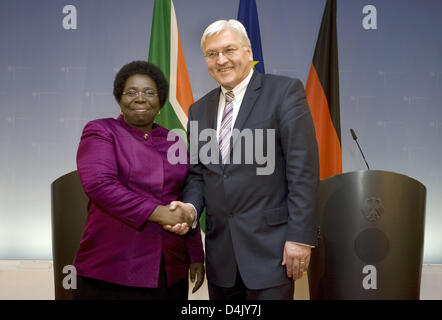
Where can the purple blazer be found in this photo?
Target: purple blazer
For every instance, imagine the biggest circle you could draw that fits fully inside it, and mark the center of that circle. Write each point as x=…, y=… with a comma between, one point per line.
x=125, y=173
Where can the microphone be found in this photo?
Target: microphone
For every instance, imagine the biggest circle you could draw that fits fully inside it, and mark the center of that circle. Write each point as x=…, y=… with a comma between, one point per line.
x=355, y=138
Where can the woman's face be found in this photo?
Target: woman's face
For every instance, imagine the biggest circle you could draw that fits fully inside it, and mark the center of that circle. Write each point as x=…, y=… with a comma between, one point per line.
x=140, y=103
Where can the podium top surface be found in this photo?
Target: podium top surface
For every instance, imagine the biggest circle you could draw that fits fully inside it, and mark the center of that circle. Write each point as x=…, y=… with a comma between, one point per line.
x=371, y=173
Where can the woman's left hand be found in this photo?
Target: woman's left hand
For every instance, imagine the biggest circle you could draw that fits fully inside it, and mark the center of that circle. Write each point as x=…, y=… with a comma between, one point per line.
x=197, y=269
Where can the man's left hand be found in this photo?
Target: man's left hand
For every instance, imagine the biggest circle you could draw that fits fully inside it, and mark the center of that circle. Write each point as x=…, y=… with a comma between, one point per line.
x=296, y=258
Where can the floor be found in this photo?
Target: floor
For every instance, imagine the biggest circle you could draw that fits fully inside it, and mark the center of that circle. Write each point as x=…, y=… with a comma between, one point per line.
x=33, y=280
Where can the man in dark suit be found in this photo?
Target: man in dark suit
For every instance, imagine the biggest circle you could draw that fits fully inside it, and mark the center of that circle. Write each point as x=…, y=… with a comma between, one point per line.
x=260, y=225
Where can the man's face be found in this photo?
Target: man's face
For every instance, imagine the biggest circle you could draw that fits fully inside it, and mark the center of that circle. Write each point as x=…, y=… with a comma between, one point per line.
x=234, y=64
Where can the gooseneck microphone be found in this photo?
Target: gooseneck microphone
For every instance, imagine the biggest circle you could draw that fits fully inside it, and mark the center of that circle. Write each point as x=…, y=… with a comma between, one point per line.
x=355, y=138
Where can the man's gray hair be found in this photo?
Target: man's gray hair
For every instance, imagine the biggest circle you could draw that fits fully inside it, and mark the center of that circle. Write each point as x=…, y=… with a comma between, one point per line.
x=222, y=25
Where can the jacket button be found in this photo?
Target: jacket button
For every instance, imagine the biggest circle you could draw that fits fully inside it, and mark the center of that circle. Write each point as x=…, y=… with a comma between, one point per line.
x=225, y=176
x=146, y=135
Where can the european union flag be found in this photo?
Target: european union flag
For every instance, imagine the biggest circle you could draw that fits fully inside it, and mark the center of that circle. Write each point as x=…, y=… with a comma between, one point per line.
x=248, y=15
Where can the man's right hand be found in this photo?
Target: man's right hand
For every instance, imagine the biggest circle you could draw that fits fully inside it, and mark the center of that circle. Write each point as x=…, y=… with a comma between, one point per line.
x=177, y=220
x=181, y=228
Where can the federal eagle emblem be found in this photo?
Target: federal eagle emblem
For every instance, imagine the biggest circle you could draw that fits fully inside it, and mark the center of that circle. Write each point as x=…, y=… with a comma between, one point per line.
x=373, y=209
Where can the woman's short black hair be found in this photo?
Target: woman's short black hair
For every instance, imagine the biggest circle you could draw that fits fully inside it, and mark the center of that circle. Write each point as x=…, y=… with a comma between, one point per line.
x=141, y=67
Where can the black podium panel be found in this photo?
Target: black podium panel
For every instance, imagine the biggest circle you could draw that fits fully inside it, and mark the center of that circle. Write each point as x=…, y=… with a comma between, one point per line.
x=370, y=243
x=69, y=212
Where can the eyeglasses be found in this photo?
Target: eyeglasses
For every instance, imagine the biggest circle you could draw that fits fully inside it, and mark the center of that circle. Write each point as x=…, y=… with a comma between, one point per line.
x=147, y=94
x=228, y=53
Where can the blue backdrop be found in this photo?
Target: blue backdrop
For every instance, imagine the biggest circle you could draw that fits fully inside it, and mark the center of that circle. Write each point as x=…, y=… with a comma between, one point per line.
x=53, y=80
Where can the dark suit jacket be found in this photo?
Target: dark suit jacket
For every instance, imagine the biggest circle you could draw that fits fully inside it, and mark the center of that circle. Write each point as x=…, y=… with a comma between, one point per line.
x=249, y=217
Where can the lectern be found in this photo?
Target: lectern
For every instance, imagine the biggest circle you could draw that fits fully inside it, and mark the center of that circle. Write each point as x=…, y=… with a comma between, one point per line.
x=69, y=212
x=371, y=237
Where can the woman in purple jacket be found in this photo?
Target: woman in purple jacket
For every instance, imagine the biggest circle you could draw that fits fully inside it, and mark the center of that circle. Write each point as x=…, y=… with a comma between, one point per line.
x=125, y=251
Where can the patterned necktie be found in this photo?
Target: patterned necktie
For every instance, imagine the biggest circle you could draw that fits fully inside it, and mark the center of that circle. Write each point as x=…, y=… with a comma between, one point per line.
x=226, y=125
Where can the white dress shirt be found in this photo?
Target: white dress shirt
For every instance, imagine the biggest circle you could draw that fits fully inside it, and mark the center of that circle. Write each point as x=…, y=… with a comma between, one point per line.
x=238, y=93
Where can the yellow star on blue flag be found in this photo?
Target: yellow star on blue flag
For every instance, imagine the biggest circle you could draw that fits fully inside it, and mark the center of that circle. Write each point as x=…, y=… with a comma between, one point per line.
x=248, y=15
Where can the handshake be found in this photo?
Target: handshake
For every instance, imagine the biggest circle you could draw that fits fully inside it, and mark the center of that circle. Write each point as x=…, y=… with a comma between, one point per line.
x=177, y=217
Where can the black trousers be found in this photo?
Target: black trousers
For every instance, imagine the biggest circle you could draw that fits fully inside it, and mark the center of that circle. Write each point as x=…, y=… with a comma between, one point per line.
x=239, y=291
x=94, y=289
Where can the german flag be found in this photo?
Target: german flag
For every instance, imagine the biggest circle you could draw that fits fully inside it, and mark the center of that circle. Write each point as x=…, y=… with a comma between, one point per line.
x=322, y=91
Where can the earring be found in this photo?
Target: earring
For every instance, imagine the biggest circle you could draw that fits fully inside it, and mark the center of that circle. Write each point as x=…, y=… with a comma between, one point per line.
x=159, y=111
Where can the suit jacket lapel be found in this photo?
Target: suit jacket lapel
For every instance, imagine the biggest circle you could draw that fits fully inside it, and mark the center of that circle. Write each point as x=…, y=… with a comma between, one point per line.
x=248, y=102
x=212, y=110
x=210, y=121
